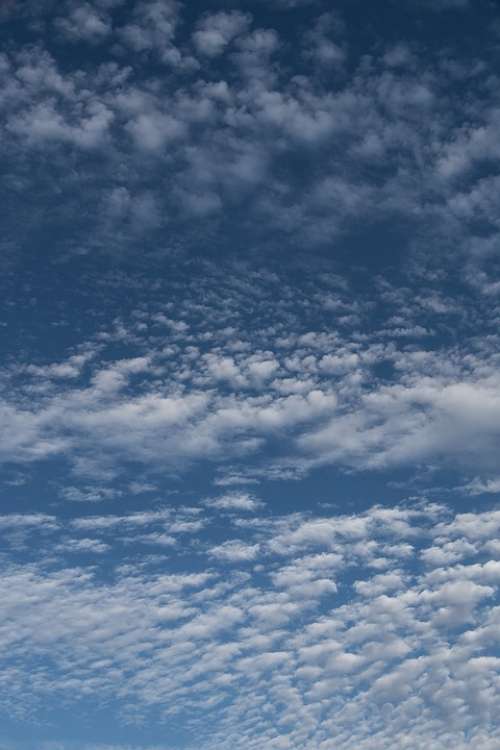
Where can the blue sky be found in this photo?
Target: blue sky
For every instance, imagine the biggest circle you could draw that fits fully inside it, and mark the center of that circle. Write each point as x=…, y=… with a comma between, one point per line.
x=250, y=383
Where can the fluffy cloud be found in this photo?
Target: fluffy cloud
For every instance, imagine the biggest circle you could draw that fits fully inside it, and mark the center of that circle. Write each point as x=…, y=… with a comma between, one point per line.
x=235, y=501
x=390, y=655
x=412, y=422
x=215, y=32
x=259, y=294
x=193, y=388
x=84, y=22
x=229, y=143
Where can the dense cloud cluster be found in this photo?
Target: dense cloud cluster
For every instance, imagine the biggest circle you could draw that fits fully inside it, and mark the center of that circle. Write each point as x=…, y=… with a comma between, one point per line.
x=238, y=624
x=123, y=120
x=294, y=631
x=232, y=368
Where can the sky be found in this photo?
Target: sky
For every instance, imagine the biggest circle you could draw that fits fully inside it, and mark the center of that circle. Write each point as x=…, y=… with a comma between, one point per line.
x=250, y=375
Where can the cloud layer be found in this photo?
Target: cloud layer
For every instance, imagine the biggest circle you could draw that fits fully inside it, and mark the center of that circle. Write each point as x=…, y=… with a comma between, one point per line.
x=250, y=383
x=332, y=631
x=294, y=370
x=227, y=125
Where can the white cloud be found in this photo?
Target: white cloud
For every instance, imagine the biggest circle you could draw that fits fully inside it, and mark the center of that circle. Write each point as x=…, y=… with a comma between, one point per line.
x=388, y=659
x=316, y=398
x=176, y=136
x=483, y=486
x=215, y=32
x=151, y=131
x=86, y=546
x=83, y=22
x=222, y=140
x=235, y=551
x=236, y=501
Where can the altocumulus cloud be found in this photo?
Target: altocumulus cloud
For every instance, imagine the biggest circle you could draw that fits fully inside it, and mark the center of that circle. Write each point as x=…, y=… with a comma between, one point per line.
x=250, y=383
x=285, y=131
x=194, y=388
x=337, y=631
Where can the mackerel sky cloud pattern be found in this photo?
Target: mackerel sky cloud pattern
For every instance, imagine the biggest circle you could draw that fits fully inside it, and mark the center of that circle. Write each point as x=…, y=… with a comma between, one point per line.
x=250, y=383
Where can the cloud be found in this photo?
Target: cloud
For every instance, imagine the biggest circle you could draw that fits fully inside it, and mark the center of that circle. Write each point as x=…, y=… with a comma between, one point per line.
x=406, y=424
x=386, y=141
x=389, y=653
x=258, y=403
x=235, y=551
x=483, y=487
x=236, y=501
x=305, y=218
x=214, y=32
x=83, y=22
x=82, y=546
x=152, y=28
x=325, y=43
